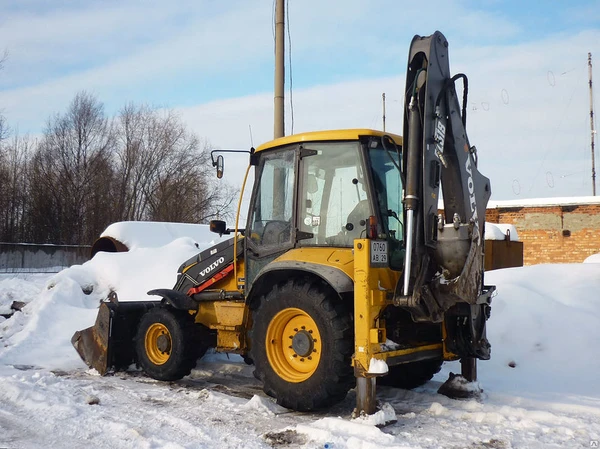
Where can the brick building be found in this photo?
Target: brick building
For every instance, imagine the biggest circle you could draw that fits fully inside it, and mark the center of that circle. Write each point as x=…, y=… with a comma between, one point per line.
x=553, y=230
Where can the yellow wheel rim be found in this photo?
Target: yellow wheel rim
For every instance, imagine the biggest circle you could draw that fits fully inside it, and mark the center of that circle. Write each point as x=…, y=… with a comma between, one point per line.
x=293, y=345
x=158, y=343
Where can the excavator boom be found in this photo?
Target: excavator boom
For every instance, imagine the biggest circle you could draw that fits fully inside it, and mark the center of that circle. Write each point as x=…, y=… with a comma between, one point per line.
x=444, y=256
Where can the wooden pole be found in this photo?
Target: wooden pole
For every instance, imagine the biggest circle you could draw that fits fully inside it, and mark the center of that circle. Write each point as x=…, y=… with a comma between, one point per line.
x=279, y=126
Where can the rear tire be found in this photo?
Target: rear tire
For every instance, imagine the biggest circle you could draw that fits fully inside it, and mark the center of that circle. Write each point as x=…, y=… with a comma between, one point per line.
x=168, y=343
x=301, y=344
x=411, y=375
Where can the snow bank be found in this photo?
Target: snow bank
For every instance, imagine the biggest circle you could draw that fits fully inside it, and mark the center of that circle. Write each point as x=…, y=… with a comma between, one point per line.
x=150, y=234
x=15, y=289
x=594, y=258
x=498, y=231
x=545, y=332
x=41, y=335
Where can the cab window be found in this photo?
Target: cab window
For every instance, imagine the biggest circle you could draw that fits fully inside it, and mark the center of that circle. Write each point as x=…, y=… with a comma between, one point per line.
x=272, y=213
x=333, y=203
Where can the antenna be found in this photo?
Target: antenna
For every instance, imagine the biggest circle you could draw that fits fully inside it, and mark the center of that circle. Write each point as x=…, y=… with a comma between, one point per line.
x=383, y=97
x=593, y=131
x=251, y=139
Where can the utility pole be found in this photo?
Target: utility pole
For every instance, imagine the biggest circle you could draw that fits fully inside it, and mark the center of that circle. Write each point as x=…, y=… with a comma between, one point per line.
x=593, y=131
x=383, y=97
x=279, y=129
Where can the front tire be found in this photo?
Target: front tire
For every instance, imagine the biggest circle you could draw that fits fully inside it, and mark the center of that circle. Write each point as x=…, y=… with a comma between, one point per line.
x=301, y=344
x=168, y=343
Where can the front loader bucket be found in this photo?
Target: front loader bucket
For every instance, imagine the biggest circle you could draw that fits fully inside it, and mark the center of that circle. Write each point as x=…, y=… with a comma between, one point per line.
x=110, y=342
x=92, y=343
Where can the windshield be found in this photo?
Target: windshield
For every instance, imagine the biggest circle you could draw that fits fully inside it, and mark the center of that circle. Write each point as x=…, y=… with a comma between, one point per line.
x=333, y=203
x=387, y=180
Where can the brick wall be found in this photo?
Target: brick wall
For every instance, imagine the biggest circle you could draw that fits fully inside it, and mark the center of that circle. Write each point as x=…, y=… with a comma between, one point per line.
x=560, y=233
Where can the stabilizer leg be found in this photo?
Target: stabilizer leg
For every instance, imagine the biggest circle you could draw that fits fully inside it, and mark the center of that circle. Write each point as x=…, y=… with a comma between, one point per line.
x=366, y=397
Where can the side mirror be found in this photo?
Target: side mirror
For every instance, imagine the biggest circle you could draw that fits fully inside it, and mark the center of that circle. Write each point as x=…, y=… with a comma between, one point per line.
x=218, y=226
x=220, y=166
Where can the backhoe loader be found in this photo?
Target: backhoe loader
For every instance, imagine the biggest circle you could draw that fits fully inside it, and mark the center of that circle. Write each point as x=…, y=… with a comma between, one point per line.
x=345, y=274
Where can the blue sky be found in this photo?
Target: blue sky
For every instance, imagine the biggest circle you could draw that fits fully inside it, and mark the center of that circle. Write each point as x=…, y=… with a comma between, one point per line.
x=212, y=61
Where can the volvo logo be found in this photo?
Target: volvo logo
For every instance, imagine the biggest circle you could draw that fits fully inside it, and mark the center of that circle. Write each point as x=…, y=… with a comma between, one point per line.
x=212, y=266
x=472, y=200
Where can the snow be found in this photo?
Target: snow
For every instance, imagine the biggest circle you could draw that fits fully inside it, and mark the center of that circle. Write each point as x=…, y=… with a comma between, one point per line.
x=594, y=258
x=151, y=234
x=377, y=366
x=12, y=288
x=541, y=386
x=541, y=202
x=545, y=320
x=499, y=231
x=41, y=335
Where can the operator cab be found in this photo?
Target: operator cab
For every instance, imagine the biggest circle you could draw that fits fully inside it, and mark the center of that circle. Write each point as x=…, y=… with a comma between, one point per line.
x=325, y=189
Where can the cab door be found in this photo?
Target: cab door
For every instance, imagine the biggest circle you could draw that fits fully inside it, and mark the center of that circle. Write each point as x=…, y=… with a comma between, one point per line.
x=270, y=230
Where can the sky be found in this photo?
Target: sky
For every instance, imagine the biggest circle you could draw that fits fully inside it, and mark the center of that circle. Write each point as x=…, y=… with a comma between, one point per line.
x=212, y=62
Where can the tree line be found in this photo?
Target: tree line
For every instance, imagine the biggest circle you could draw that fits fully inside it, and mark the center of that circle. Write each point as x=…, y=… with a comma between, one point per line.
x=88, y=170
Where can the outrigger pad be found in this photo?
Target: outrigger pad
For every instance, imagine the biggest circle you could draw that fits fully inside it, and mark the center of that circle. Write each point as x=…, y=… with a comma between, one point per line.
x=457, y=387
x=92, y=343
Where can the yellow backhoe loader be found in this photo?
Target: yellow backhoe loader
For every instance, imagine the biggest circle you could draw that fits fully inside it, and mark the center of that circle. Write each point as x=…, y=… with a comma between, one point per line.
x=345, y=273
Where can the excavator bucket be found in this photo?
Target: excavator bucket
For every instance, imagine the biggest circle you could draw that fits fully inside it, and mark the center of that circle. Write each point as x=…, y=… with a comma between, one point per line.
x=110, y=343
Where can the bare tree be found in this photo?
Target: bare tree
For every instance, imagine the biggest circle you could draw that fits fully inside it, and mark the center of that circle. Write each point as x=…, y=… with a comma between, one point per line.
x=3, y=124
x=72, y=162
x=14, y=189
x=163, y=170
x=88, y=171
x=3, y=129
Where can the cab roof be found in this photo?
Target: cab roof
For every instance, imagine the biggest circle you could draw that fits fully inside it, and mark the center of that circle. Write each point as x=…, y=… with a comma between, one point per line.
x=329, y=135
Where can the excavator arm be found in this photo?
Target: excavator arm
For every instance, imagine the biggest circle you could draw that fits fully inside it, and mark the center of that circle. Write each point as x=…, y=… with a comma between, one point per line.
x=443, y=270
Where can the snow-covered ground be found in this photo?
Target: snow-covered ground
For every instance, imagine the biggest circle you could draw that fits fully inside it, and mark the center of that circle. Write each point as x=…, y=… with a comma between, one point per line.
x=541, y=388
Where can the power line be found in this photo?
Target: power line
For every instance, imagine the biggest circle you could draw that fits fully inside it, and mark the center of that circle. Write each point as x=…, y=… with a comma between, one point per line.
x=273, y=22
x=550, y=147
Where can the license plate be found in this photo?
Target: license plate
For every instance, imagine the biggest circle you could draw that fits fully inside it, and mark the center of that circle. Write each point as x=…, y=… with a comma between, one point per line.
x=379, y=253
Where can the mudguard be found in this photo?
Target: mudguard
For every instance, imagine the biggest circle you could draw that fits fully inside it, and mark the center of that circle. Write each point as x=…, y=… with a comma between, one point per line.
x=340, y=281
